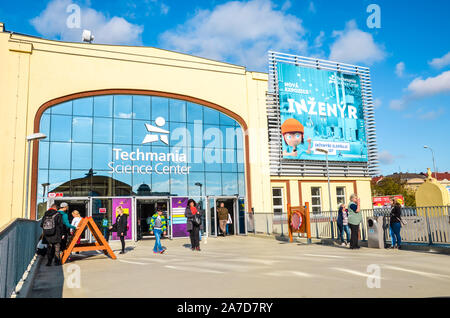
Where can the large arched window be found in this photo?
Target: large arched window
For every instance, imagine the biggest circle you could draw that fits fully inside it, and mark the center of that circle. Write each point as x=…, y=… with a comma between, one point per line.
x=123, y=145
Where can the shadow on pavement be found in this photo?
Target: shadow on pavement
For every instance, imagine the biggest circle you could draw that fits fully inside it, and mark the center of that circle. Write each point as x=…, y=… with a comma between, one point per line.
x=48, y=283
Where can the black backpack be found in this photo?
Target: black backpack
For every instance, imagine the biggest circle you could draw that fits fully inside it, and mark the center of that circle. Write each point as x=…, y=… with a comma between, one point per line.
x=49, y=225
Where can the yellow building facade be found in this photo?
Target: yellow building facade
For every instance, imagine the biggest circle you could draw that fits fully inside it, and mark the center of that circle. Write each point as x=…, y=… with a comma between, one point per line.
x=38, y=74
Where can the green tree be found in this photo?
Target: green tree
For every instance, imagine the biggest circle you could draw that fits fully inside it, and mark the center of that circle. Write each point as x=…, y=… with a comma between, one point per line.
x=394, y=186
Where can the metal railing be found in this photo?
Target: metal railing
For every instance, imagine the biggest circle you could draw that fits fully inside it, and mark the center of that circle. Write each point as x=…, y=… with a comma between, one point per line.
x=426, y=225
x=18, y=242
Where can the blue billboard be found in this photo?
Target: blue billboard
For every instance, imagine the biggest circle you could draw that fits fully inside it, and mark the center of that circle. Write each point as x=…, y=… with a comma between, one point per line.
x=321, y=109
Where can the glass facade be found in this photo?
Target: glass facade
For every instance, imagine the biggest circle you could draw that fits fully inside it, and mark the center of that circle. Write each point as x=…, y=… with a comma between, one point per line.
x=134, y=145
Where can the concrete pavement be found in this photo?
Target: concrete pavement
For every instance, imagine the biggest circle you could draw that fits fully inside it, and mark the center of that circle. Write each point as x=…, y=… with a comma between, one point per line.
x=247, y=267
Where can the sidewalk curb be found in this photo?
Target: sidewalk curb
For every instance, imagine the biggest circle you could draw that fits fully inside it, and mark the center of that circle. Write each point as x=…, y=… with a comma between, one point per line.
x=25, y=285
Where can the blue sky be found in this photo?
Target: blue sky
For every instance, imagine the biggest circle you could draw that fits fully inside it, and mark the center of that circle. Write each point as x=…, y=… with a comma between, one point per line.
x=409, y=55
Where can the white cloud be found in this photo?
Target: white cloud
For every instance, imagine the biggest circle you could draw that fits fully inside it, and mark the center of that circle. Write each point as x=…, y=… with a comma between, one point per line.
x=386, y=157
x=431, y=86
x=397, y=104
x=239, y=32
x=400, y=69
x=440, y=62
x=355, y=46
x=52, y=23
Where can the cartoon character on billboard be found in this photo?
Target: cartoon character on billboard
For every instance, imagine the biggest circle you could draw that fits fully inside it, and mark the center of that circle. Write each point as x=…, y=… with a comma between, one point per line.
x=293, y=135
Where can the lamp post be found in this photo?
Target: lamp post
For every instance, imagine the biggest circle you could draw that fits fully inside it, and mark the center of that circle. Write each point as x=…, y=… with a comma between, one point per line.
x=329, y=189
x=30, y=138
x=201, y=195
x=434, y=163
x=44, y=185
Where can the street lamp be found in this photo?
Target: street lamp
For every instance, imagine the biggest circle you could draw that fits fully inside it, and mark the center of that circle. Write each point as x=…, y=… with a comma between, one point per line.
x=30, y=138
x=434, y=163
x=329, y=189
x=44, y=185
x=200, y=185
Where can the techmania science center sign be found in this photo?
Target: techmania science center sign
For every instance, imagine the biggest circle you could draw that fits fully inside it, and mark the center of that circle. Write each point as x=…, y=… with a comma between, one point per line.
x=321, y=109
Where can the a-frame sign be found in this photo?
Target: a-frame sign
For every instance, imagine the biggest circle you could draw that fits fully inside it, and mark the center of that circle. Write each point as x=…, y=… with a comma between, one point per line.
x=100, y=243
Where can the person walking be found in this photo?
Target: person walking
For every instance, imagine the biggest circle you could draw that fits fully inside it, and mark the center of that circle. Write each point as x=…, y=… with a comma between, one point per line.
x=395, y=224
x=158, y=227
x=342, y=224
x=193, y=224
x=63, y=208
x=121, y=227
x=52, y=228
x=354, y=219
x=222, y=214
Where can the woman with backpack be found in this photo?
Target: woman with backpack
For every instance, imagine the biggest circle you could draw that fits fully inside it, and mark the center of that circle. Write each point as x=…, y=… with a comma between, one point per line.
x=193, y=224
x=395, y=224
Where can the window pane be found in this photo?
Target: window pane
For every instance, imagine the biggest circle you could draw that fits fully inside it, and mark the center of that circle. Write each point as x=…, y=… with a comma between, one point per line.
x=229, y=183
x=276, y=192
x=83, y=106
x=315, y=201
x=44, y=126
x=277, y=211
x=213, y=184
x=62, y=109
x=229, y=161
x=277, y=201
x=82, y=129
x=122, y=131
x=225, y=120
x=42, y=183
x=103, y=106
x=160, y=184
x=81, y=156
x=160, y=108
x=61, y=128
x=241, y=181
x=177, y=110
x=102, y=130
x=193, y=178
x=139, y=131
x=43, y=154
x=211, y=116
x=194, y=112
x=178, y=184
x=80, y=183
x=141, y=107
x=102, y=155
x=59, y=181
x=122, y=106
x=59, y=155
x=179, y=135
x=315, y=191
x=340, y=191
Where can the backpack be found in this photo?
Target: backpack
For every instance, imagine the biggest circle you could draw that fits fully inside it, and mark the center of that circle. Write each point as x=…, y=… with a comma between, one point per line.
x=49, y=225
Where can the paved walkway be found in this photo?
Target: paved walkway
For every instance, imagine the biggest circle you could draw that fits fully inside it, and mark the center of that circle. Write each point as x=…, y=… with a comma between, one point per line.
x=248, y=267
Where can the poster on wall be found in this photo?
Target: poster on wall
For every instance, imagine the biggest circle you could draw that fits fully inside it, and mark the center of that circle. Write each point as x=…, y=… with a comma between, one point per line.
x=126, y=205
x=321, y=109
x=179, y=220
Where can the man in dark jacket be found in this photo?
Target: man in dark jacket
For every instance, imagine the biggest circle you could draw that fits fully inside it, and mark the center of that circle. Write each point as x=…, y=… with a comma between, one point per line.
x=52, y=227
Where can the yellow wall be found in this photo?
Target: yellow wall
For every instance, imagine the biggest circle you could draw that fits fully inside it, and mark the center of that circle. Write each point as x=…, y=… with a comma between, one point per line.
x=35, y=71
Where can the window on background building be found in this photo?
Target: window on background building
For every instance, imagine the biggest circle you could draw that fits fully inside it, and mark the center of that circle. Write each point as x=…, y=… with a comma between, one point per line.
x=316, y=201
x=277, y=200
x=340, y=195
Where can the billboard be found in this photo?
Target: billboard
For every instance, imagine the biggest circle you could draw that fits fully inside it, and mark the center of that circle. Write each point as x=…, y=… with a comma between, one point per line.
x=321, y=109
x=385, y=201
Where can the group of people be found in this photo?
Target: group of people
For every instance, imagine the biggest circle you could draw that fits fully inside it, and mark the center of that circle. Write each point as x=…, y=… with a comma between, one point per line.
x=57, y=231
x=350, y=218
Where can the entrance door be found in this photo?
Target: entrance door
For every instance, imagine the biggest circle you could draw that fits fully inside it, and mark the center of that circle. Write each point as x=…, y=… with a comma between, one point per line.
x=75, y=204
x=145, y=209
x=236, y=210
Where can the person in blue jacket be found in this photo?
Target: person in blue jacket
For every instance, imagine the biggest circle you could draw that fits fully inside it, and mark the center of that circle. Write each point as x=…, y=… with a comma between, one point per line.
x=159, y=227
